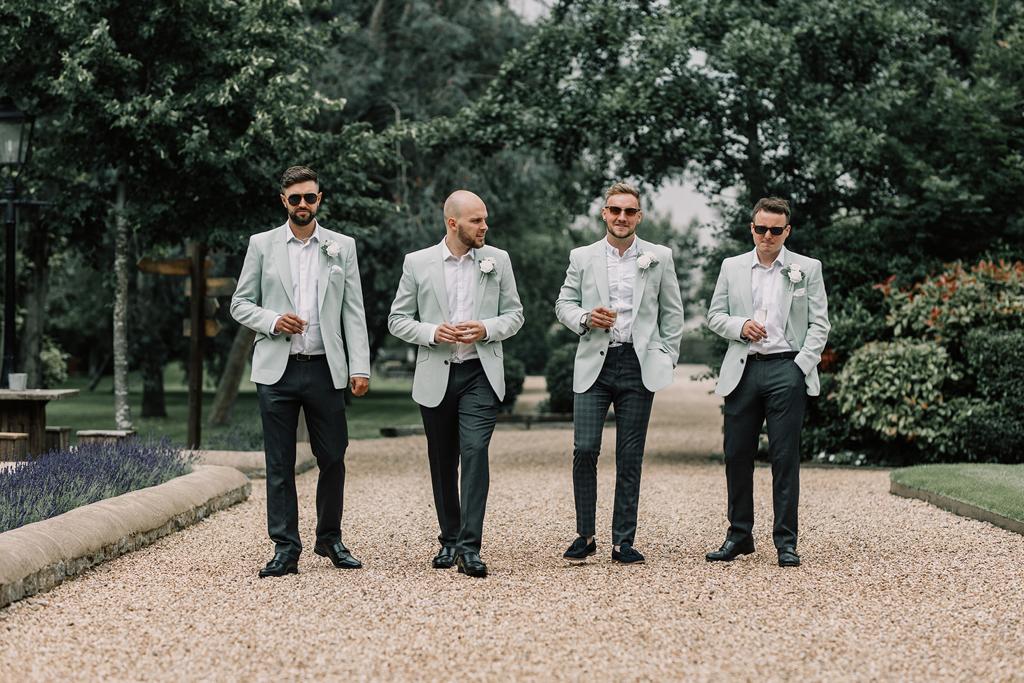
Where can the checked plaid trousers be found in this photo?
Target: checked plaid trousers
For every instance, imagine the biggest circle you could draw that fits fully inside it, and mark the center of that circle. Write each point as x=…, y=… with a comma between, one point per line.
x=619, y=384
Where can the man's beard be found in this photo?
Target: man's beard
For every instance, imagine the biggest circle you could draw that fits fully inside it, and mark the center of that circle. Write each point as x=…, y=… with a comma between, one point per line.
x=298, y=220
x=469, y=239
x=629, y=232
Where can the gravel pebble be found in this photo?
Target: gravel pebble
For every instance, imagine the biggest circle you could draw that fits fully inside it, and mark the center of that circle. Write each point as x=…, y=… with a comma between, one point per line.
x=890, y=588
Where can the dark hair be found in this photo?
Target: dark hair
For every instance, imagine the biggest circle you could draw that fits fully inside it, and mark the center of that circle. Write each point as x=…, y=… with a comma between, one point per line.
x=297, y=174
x=771, y=205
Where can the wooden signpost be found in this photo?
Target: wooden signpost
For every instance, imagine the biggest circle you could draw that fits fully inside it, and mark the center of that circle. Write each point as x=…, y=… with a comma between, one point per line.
x=201, y=291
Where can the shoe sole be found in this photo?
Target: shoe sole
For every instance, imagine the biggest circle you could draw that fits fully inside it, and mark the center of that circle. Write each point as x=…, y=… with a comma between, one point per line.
x=579, y=560
x=727, y=559
x=789, y=564
x=443, y=566
x=277, y=576
x=321, y=553
x=643, y=561
x=473, y=576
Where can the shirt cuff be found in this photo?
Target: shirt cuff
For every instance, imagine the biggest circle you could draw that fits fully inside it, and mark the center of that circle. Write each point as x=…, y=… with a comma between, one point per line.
x=359, y=374
x=273, y=326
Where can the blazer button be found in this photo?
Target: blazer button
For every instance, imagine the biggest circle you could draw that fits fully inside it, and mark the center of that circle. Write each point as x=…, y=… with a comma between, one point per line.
x=607, y=331
x=741, y=360
x=287, y=338
x=446, y=362
x=601, y=353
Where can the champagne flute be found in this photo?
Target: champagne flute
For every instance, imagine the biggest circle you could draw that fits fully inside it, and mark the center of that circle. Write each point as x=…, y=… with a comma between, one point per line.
x=761, y=318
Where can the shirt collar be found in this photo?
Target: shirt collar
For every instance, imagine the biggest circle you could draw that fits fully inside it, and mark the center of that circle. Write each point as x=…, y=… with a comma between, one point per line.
x=449, y=255
x=629, y=253
x=289, y=235
x=780, y=260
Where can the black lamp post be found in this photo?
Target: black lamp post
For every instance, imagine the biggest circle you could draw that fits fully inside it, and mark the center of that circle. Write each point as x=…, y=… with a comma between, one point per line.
x=15, y=144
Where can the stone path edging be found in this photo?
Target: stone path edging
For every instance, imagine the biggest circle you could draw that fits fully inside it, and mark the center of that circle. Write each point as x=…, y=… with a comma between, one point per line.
x=39, y=556
x=253, y=463
x=957, y=507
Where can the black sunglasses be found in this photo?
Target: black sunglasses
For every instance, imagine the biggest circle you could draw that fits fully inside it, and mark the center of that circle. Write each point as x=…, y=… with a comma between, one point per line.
x=310, y=198
x=762, y=229
x=616, y=210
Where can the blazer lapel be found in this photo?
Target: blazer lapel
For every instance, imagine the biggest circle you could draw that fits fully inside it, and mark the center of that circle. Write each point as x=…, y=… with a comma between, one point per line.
x=599, y=263
x=324, y=278
x=480, y=286
x=437, y=280
x=284, y=265
x=746, y=292
x=640, y=283
x=787, y=297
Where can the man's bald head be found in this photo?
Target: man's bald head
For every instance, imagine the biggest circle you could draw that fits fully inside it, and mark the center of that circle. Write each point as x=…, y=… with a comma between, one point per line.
x=459, y=202
x=465, y=218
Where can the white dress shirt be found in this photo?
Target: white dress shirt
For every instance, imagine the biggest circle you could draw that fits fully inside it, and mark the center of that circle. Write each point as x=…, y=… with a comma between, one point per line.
x=767, y=285
x=460, y=275
x=304, y=263
x=621, y=278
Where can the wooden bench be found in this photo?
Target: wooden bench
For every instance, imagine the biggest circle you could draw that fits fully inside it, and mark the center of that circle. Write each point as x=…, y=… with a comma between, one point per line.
x=103, y=435
x=13, y=446
x=57, y=438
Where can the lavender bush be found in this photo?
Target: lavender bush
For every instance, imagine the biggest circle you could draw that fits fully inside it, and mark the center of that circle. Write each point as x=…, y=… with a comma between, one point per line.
x=62, y=480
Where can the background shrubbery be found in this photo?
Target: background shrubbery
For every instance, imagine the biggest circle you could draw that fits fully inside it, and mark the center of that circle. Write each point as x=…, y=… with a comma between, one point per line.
x=944, y=388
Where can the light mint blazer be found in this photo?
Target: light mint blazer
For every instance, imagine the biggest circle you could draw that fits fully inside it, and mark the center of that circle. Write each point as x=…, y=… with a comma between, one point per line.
x=265, y=291
x=657, y=313
x=421, y=304
x=807, y=326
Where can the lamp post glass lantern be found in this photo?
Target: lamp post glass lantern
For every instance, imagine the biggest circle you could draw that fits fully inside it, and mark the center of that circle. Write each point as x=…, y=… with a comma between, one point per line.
x=15, y=146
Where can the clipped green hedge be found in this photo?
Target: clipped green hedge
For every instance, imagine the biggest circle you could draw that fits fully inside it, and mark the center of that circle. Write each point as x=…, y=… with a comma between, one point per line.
x=515, y=376
x=995, y=359
x=558, y=373
x=894, y=390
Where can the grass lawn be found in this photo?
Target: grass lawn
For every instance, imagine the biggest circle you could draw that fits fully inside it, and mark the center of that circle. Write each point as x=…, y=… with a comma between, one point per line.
x=998, y=488
x=388, y=403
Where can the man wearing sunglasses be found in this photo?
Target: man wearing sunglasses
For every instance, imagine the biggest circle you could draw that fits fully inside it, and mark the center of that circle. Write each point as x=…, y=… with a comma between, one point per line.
x=621, y=295
x=457, y=301
x=770, y=304
x=300, y=292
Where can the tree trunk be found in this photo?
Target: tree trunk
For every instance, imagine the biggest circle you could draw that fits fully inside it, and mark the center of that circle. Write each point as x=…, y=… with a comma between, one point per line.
x=234, y=368
x=122, y=409
x=36, y=247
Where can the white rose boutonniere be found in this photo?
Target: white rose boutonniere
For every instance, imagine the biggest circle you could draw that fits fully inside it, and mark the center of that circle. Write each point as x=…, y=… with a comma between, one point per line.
x=645, y=261
x=331, y=248
x=793, y=272
x=487, y=265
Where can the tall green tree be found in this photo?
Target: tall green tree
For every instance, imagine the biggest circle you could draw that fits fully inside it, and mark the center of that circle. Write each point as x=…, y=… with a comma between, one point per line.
x=177, y=115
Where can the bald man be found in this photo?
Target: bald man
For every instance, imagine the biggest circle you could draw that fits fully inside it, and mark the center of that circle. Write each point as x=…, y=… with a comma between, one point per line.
x=457, y=301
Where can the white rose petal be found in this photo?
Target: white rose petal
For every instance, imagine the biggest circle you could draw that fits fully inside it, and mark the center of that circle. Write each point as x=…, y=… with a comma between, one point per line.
x=333, y=249
x=795, y=276
x=644, y=261
x=487, y=265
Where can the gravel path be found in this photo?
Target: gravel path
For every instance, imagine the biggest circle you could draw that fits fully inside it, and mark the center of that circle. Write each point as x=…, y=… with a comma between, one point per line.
x=890, y=588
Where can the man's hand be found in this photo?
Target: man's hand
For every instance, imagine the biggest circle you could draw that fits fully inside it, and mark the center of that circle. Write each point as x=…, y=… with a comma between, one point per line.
x=471, y=331
x=360, y=385
x=447, y=334
x=754, y=331
x=289, y=323
x=603, y=318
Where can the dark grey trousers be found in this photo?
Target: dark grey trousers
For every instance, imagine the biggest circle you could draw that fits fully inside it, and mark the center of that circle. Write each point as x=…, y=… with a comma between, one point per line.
x=771, y=391
x=619, y=384
x=458, y=432
x=305, y=385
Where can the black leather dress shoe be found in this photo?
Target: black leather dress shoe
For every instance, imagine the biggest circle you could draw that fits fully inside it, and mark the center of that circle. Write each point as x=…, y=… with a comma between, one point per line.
x=627, y=554
x=338, y=554
x=788, y=557
x=730, y=550
x=580, y=549
x=470, y=564
x=280, y=565
x=445, y=558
